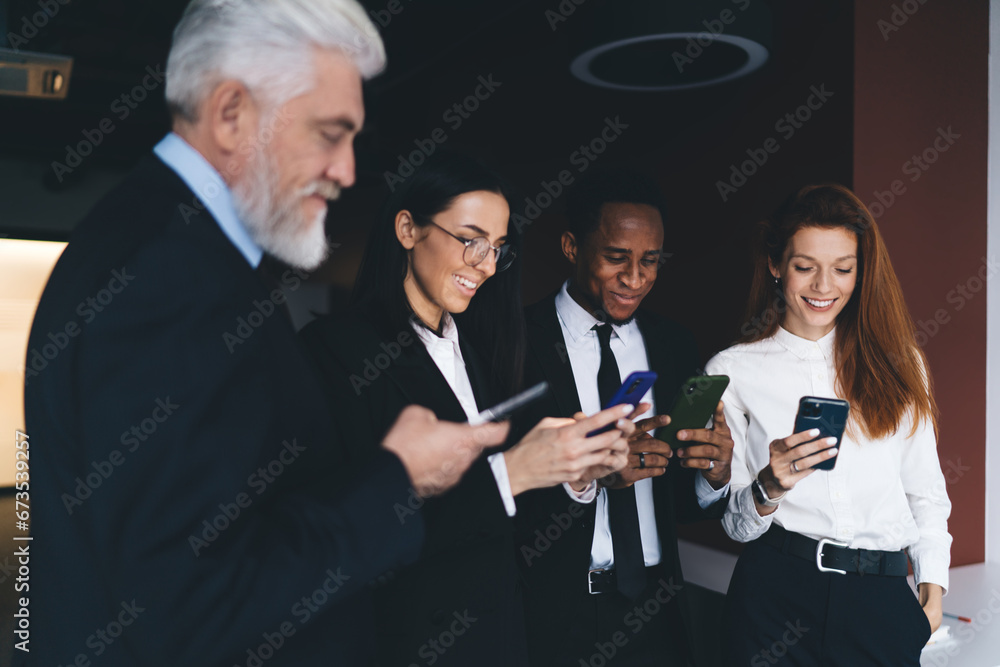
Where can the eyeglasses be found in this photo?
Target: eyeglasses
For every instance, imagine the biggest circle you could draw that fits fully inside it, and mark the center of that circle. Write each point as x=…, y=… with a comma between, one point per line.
x=476, y=249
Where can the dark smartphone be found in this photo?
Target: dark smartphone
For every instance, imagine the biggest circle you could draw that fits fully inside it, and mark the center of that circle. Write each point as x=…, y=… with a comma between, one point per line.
x=632, y=390
x=829, y=415
x=694, y=406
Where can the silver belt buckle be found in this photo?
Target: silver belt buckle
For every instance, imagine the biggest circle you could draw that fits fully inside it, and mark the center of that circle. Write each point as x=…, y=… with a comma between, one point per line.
x=590, y=583
x=819, y=554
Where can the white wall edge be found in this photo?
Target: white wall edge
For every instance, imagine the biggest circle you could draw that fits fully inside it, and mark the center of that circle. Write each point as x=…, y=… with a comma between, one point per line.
x=993, y=298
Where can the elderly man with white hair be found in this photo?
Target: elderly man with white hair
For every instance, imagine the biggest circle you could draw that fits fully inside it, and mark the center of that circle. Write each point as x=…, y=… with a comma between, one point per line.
x=183, y=507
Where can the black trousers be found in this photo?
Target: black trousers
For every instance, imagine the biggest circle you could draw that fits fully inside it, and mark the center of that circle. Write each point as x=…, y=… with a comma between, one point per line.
x=609, y=630
x=781, y=610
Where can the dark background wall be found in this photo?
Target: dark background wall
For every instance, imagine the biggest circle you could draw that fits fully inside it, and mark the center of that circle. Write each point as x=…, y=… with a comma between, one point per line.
x=882, y=101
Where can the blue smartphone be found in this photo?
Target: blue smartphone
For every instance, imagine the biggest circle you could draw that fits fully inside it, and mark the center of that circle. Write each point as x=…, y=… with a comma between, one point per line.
x=632, y=390
x=829, y=415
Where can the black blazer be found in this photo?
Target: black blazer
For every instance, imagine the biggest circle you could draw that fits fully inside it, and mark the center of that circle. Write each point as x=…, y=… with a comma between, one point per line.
x=555, y=570
x=466, y=571
x=172, y=439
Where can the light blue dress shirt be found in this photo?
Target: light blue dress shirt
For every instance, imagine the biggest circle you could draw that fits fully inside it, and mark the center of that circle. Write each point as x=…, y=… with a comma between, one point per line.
x=211, y=190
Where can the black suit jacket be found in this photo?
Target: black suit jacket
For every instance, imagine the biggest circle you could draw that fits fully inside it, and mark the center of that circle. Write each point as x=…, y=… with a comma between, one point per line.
x=460, y=604
x=172, y=437
x=554, y=533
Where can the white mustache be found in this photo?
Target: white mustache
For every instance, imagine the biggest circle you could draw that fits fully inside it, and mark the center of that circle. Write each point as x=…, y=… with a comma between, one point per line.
x=325, y=189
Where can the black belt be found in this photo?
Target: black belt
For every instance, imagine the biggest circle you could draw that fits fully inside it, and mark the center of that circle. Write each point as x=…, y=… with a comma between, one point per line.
x=606, y=581
x=833, y=556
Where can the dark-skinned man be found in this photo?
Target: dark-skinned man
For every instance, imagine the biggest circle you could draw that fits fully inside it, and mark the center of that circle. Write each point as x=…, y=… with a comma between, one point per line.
x=603, y=578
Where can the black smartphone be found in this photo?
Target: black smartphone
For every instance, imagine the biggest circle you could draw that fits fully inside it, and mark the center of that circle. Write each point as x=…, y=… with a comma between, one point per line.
x=694, y=406
x=632, y=390
x=829, y=415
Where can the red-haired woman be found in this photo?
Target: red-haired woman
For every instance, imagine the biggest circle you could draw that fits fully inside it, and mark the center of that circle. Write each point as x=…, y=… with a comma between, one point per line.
x=826, y=318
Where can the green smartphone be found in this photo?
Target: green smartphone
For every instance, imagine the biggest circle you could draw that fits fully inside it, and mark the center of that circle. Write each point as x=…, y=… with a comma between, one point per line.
x=694, y=406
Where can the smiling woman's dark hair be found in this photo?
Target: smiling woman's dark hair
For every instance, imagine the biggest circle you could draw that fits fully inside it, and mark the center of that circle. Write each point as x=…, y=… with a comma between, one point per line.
x=493, y=323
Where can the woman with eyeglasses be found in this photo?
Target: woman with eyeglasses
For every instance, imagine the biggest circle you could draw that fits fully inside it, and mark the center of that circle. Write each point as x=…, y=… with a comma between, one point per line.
x=436, y=320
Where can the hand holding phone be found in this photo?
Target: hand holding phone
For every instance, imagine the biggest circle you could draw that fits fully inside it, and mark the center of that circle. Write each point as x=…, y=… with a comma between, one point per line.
x=632, y=390
x=694, y=406
x=829, y=416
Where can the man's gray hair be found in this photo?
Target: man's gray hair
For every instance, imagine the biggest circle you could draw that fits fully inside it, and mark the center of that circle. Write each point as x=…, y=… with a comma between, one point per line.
x=267, y=44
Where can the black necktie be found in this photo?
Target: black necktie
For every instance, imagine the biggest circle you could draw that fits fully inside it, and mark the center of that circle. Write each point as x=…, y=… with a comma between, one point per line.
x=623, y=515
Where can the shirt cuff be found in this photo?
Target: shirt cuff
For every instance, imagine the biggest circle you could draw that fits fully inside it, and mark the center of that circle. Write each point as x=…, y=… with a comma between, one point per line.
x=930, y=570
x=499, y=467
x=586, y=496
x=707, y=496
x=742, y=522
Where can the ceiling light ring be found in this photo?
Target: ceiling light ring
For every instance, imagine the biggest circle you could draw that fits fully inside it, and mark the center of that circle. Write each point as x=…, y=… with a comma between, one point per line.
x=757, y=55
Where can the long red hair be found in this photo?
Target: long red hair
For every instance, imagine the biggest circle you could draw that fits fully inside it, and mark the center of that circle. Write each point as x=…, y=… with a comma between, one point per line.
x=881, y=369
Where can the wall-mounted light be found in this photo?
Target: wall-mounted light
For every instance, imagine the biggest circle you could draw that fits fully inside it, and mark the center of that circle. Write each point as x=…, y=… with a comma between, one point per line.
x=29, y=74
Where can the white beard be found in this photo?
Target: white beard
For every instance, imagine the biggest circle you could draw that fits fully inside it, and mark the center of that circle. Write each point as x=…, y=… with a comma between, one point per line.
x=275, y=219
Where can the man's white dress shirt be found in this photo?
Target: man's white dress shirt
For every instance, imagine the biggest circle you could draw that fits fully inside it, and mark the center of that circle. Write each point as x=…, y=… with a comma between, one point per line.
x=584, y=352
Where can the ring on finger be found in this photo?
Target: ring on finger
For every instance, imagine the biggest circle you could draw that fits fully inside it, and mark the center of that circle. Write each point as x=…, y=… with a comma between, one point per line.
x=711, y=464
x=795, y=467
x=642, y=460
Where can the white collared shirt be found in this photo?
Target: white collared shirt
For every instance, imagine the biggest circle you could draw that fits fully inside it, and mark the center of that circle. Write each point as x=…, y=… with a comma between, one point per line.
x=885, y=495
x=446, y=352
x=584, y=352
x=206, y=183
